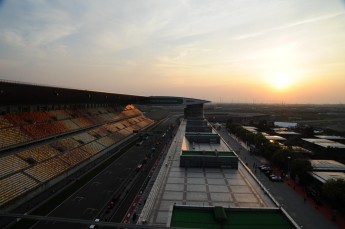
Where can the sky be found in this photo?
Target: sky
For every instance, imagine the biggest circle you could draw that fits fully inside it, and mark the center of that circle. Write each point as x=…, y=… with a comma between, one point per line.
x=240, y=51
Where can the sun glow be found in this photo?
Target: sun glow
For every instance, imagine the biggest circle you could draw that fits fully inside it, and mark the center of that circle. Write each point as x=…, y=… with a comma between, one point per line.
x=280, y=81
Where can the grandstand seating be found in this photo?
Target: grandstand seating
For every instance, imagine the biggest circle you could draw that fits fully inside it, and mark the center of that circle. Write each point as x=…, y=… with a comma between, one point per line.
x=111, y=127
x=28, y=117
x=74, y=113
x=75, y=156
x=65, y=144
x=41, y=130
x=68, y=125
x=92, y=147
x=144, y=123
x=35, y=117
x=104, y=111
x=119, y=125
x=91, y=112
x=83, y=122
x=18, y=128
x=48, y=169
x=124, y=132
x=106, y=141
x=59, y=114
x=105, y=118
x=30, y=167
x=100, y=131
x=39, y=153
x=84, y=138
x=15, y=185
x=10, y=164
x=4, y=122
x=116, y=136
x=12, y=136
x=15, y=119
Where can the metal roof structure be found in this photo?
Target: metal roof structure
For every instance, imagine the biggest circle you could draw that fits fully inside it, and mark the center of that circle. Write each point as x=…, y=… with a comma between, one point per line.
x=325, y=143
x=323, y=177
x=330, y=137
x=17, y=94
x=327, y=165
x=251, y=129
x=286, y=124
x=275, y=138
x=287, y=133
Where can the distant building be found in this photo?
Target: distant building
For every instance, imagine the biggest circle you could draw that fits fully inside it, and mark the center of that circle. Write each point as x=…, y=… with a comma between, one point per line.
x=286, y=124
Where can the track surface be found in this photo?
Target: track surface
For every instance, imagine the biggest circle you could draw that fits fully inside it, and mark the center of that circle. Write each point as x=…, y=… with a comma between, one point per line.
x=118, y=183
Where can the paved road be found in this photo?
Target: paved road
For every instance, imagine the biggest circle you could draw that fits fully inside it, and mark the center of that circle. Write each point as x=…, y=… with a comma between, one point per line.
x=303, y=213
x=119, y=183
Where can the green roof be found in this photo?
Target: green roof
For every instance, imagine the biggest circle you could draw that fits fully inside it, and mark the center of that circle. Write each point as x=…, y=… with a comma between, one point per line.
x=236, y=218
x=207, y=153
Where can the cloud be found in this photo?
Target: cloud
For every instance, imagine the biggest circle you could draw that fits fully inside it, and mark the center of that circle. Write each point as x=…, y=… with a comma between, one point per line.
x=287, y=26
x=12, y=38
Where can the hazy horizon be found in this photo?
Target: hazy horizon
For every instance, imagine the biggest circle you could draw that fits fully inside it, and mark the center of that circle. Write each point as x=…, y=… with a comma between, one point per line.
x=254, y=51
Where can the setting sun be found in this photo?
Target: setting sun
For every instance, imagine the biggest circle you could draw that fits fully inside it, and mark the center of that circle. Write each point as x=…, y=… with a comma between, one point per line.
x=280, y=81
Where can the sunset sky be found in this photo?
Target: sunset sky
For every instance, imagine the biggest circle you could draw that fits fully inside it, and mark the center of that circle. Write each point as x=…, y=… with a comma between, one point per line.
x=262, y=51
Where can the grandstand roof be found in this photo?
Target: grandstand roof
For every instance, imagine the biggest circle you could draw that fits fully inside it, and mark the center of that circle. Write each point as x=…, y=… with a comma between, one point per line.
x=16, y=93
x=30, y=94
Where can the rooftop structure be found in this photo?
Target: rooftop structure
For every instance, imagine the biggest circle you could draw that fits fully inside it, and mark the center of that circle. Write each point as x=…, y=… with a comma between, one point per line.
x=251, y=129
x=298, y=149
x=286, y=124
x=208, y=159
x=327, y=165
x=325, y=143
x=287, y=133
x=323, y=177
x=234, y=218
x=173, y=100
x=330, y=137
x=275, y=138
x=201, y=186
x=280, y=129
x=187, y=145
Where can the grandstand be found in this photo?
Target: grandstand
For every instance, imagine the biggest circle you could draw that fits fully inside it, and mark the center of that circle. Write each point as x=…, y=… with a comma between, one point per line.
x=50, y=136
x=40, y=145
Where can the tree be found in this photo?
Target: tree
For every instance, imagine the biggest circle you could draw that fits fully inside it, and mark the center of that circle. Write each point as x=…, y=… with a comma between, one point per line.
x=334, y=191
x=280, y=158
x=300, y=167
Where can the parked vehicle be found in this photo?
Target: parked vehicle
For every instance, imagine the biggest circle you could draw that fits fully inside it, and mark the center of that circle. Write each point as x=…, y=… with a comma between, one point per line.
x=275, y=178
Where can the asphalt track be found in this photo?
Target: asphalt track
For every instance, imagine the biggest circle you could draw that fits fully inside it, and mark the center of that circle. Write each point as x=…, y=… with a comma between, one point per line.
x=118, y=183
